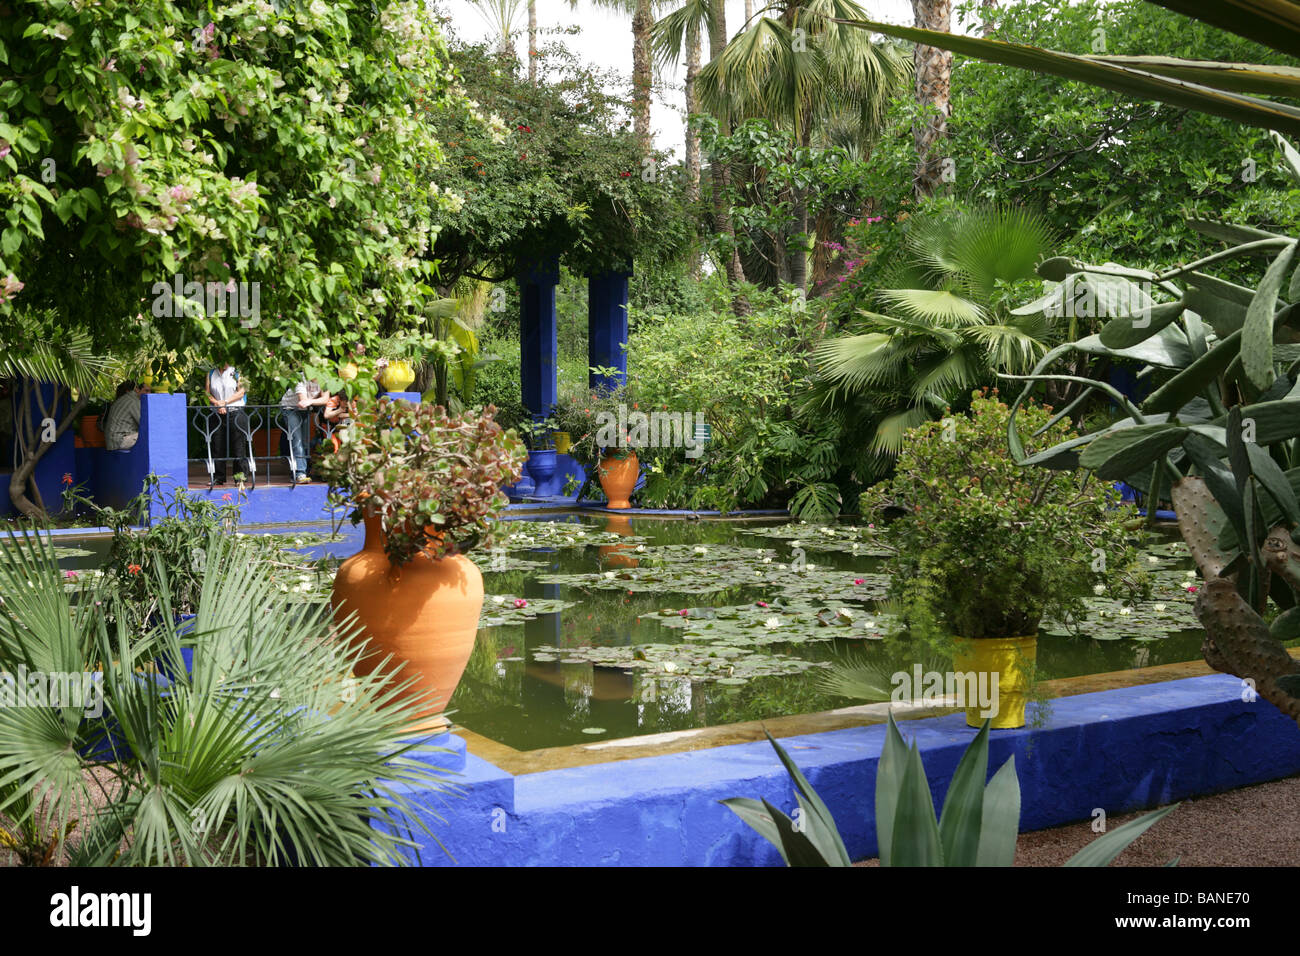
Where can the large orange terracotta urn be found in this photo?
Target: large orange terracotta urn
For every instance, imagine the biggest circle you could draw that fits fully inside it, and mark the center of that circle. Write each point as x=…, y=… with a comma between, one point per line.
x=618, y=478
x=424, y=613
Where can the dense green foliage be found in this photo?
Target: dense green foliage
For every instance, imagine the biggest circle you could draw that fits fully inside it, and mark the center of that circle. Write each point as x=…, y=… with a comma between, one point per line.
x=986, y=548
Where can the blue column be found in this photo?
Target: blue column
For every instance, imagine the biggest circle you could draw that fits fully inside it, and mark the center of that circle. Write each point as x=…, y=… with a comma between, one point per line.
x=538, y=344
x=607, y=325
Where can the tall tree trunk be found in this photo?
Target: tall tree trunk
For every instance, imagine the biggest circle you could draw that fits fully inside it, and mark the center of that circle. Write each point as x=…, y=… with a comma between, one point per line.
x=692, y=109
x=721, y=172
x=693, y=54
x=642, y=77
x=798, y=255
x=933, y=80
x=29, y=410
x=749, y=10
x=532, y=42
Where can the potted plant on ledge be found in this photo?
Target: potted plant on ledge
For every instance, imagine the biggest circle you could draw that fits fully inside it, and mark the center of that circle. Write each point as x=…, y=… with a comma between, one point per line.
x=428, y=487
x=601, y=439
x=985, y=548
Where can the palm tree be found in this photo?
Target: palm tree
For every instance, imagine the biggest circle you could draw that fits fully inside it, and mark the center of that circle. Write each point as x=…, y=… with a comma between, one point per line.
x=503, y=17
x=264, y=752
x=949, y=324
x=532, y=42
x=933, y=68
x=642, y=12
x=796, y=67
x=679, y=29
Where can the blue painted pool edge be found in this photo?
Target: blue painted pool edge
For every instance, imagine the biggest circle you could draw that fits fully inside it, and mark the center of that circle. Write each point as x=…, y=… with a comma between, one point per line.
x=1119, y=750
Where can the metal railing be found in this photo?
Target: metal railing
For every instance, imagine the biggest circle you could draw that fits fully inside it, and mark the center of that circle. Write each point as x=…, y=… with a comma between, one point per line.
x=252, y=440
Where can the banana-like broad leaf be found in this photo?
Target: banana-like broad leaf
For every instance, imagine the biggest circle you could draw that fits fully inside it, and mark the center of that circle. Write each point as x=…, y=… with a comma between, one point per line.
x=1119, y=454
x=1101, y=851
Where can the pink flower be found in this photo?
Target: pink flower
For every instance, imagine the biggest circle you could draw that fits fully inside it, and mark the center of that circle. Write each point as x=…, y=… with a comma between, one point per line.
x=226, y=497
x=762, y=604
x=1192, y=590
x=520, y=602
x=859, y=581
x=684, y=612
x=70, y=575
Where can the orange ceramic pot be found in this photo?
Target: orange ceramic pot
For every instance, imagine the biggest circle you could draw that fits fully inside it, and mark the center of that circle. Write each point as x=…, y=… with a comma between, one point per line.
x=92, y=436
x=618, y=478
x=425, y=614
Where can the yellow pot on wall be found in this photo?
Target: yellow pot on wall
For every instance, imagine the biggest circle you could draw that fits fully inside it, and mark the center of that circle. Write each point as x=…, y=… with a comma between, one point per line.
x=1011, y=660
x=397, y=376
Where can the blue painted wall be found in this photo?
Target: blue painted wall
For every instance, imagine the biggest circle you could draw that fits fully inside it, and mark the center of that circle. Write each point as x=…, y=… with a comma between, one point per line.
x=1119, y=750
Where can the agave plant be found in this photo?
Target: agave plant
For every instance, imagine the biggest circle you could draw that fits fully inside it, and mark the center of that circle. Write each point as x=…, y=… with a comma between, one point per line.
x=948, y=324
x=978, y=826
x=1218, y=431
x=264, y=752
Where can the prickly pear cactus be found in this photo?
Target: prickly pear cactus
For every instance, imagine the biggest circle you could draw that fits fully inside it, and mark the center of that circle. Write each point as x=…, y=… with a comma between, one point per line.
x=1237, y=641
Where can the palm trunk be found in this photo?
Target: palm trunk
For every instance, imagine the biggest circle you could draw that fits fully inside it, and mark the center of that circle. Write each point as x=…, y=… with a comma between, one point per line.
x=933, y=79
x=692, y=110
x=721, y=172
x=749, y=10
x=642, y=77
x=532, y=42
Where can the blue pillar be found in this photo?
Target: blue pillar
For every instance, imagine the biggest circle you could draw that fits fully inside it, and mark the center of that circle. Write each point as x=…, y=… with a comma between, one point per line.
x=607, y=325
x=538, y=344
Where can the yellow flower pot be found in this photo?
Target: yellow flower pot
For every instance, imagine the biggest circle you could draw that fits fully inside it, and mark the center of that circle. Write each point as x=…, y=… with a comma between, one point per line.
x=397, y=376
x=1011, y=659
x=563, y=442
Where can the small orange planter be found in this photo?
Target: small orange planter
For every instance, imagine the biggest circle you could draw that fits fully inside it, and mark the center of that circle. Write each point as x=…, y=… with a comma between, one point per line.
x=92, y=436
x=425, y=614
x=618, y=478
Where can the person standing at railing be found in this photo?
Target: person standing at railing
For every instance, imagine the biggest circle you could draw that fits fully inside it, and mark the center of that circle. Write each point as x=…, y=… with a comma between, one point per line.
x=228, y=395
x=122, y=423
x=297, y=404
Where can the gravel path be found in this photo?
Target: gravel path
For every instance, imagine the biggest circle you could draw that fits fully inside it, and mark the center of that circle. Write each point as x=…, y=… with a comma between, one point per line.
x=1253, y=826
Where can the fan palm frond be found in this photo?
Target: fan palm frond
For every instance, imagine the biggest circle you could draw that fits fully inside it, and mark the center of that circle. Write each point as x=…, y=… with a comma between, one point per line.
x=938, y=307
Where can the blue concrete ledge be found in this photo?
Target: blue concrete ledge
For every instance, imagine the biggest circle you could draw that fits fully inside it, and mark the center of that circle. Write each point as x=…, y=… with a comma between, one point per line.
x=1120, y=750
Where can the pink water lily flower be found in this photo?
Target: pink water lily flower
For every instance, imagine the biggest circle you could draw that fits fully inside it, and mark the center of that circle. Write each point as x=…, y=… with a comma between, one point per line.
x=520, y=602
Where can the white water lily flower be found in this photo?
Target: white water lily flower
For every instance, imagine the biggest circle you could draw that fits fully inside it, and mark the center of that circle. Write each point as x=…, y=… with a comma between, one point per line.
x=845, y=612
x=868, y=623
x=794, y=544
x=701, y=550
x=1126, y=610
x=810, y=567
x=640, y=548
x=609, y=574
x=1099, y=589
x=498, y=599
x=767, y=559
x=758, y=574
x=772, y=622
x=670, y=666
x=1191, y=573
x=1159, y=607
x=1153, y=559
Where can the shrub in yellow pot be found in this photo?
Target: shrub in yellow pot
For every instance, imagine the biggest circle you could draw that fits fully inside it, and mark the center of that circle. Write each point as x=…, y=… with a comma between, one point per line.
x=985, y=548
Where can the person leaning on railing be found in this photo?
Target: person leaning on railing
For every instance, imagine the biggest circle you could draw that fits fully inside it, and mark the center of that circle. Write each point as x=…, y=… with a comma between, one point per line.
x=228, y=396
x=297, y=404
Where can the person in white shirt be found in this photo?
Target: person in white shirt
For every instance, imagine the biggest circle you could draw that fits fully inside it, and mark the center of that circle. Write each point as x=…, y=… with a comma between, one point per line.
x=296, y=405
x=122, y=423
x=228, y=396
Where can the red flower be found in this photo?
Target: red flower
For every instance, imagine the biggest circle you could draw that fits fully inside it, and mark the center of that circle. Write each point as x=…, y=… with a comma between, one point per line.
x=625, y=175
x=226, y=497
x=859, y=581
x=520, y=602
x=67, y=478
x=133, y=568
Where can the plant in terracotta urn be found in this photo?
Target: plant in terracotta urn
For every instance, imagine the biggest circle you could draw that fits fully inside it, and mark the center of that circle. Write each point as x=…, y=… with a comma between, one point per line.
x=428, y=487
